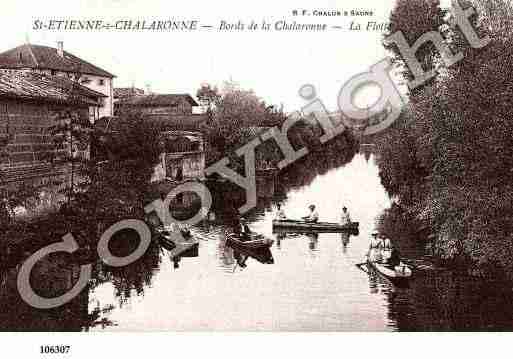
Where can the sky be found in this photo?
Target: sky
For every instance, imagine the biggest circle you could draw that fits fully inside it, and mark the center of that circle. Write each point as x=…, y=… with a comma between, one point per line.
x=273, y=64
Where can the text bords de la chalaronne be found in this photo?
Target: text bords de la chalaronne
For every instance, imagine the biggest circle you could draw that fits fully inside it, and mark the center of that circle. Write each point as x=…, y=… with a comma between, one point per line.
x=173, y=25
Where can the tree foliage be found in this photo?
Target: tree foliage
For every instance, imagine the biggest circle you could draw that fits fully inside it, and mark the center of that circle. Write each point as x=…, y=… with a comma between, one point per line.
x=119, y=180
x=449, y=160
x=234, y=116
x=414, y=18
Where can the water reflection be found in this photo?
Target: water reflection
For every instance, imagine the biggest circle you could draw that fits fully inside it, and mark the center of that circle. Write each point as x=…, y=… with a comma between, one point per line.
x=303, y=282
x=51, y=277
x=279, y=238
x=344, y=238
x=313, y=241
x=131, y=280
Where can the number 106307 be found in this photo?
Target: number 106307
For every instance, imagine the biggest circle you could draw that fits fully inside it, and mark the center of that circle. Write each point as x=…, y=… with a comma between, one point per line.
x=55, y=349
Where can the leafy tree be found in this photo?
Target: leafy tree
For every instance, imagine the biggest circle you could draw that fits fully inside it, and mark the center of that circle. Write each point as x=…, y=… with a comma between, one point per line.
x=449, y=164
x=234, y=112
x=118, y=175
x=414, y=18
x=208, y=96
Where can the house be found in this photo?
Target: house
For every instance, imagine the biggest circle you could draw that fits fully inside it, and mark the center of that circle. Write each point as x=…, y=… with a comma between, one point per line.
x=183, y=157
x=170, y=112
x=158, y=104
x=182, y=160
x=57, y=62
x=30, y=104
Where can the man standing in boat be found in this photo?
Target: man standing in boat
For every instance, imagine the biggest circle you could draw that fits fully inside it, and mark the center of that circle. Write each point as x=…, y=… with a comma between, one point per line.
x=386, y=248
x=242, y=230
x=374, y=254
x=345, y=217
x=313, y=217
x=385, y=243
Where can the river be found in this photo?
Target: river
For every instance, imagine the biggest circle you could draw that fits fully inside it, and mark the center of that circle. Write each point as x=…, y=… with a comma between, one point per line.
x=313, y=283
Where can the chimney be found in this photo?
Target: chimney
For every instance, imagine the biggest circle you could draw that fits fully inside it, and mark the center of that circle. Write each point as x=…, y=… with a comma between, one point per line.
x=60, y=48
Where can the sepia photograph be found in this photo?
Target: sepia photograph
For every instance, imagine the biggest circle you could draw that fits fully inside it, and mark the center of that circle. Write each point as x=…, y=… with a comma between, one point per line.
x=330, y=166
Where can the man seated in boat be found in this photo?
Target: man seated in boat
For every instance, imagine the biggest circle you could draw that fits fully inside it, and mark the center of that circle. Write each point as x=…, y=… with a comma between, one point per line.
x=313, y=217
x=391, y=256
x=395, y=258
x=345, y=217
x=280, y=214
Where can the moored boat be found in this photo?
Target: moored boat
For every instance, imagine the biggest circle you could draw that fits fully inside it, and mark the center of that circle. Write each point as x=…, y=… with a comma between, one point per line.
x=289, y=225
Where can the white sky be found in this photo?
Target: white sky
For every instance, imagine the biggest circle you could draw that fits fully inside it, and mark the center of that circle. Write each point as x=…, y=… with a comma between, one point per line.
x=273, y=64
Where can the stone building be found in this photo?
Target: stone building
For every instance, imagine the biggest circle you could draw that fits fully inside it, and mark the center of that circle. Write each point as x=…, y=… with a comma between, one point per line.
x=183, y=157
x=57, y=62
x=30, y=104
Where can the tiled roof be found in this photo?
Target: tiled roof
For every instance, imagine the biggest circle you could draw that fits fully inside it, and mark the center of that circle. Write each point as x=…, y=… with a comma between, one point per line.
x=192, y=122
x=158, y=100
x=162, y=122
x=254, y=131
x=124, y=92
x=44, y=57
x=14, y=174
x=34, y=86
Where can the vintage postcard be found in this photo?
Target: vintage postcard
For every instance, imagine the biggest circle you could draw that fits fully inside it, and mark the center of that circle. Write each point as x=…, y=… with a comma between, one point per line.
x=328, y=166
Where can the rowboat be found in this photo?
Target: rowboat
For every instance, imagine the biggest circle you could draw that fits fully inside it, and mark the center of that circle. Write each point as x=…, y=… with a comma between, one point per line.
x=398, y=273
x=259, y=242
x=289, y=225
x=258, y=248
x=177, y=246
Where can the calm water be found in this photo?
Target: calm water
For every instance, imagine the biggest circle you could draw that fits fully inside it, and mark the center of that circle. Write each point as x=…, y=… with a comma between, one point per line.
x=313, y=285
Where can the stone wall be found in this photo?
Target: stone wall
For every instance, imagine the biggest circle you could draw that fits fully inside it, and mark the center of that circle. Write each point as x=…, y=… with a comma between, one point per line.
x=26, y=128
x=27, y=143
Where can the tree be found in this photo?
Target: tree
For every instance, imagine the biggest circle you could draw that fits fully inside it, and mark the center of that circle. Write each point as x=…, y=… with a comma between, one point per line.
x=449, y=164
x=208, y=96
x=414, y=18
x=119, y=175
x=234, y=114
x=72, y=136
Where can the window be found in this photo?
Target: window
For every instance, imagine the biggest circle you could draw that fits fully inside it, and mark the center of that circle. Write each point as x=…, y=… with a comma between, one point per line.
x=101, y=82
x=86, y=80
